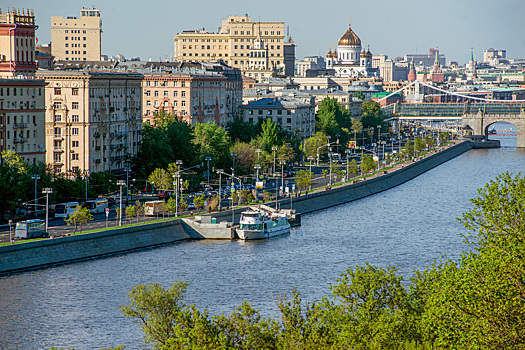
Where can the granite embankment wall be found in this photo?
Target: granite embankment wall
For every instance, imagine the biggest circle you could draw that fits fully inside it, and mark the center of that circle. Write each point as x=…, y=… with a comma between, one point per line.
x=67, y=249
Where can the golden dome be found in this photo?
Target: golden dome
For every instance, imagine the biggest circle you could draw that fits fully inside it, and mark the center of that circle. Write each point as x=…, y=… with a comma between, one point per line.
x=349, y=38
x=329, y=54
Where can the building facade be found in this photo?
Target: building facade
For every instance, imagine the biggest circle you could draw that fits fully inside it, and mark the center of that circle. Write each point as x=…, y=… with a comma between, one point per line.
x=77, y=39
x=309, y=63
x=93, y=120
x=22, y=118
x=290, y=114
x=233, y=44
x=17, y=43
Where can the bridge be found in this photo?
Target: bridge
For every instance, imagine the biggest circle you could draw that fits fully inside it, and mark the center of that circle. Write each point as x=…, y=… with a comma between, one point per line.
x=476, y=114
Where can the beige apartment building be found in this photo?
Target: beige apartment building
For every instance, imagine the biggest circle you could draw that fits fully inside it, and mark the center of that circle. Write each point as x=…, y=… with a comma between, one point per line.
x=77, y=39
x=93, y=120
x=22, y=118
x=235, y=44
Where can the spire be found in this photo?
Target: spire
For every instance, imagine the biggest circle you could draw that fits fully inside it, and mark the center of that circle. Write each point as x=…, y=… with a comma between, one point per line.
x=471, y=54
x=436, y=60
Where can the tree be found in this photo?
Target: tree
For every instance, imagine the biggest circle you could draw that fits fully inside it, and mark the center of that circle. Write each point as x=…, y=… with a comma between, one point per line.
x=183, y=205
x=419, y=144
x=304, y=179
x=131, y=211
x=199, y=202
x=171, y=206
x=353, y=168
x=213, y=203
x=367, y=164
x=314, y=142
x=267, y=196
x=157, y=310
x=332, y=117
x=212, y=140
x=140, y=209
x=270, y=134
x=409, y=149
x=161, y=179
x=357, y=126
x=372, y=116
x=13, y=170
x=245, y=157
x=240, y=130
x=79, y=216
x=359, y=94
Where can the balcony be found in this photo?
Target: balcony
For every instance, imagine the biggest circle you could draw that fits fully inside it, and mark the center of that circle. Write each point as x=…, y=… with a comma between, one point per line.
x=96, y=135
x=58, y=136
x=58, y=149
x=19, y=140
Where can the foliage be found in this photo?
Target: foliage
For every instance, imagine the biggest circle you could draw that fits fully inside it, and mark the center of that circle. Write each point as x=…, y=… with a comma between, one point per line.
x=419, y=144
x=183, y=205
x=213, y=203
x=367, y=164
x=332, y=117
x=78, y=217
x=242, y=131
x=357, y=126
x=161, y=179
x=245, y=157
x=313, y=143
x=213, y=141
x=409, y=149
x=171, y=205
x=131, y=211
x=270, y=134
x=359, y=94
x=267, y=196
x=443, y=137
x=353, y=167
x=304, y=179
x=199, y=202
x=371, y=114
x=140, y=209
x=13, y=170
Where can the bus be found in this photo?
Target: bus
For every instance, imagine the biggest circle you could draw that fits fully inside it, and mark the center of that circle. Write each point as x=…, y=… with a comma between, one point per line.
x=63, y=210
x=30, y=229
x=98, y=205
x=152, y=207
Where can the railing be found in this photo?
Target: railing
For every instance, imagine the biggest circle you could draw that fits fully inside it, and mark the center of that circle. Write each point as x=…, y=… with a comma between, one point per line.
x=58, y=149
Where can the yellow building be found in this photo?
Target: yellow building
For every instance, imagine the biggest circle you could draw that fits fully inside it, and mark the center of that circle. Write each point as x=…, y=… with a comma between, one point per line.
x=77, y=39
x=234, y=43
x=93, y=120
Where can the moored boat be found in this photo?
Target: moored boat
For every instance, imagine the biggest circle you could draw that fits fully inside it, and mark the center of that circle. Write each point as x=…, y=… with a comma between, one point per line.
x=258, y=223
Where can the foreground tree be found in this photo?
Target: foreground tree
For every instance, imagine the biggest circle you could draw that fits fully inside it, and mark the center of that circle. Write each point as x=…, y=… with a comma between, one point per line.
x=80, y=215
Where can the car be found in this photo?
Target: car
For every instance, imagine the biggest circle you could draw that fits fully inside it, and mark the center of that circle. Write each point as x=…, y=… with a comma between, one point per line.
x=191, y=206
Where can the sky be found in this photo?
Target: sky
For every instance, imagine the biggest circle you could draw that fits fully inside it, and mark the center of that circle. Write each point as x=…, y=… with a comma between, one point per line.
x=145, y=29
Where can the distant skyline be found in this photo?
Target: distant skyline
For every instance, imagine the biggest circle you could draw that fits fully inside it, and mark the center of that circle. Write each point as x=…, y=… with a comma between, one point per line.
x=135, y=28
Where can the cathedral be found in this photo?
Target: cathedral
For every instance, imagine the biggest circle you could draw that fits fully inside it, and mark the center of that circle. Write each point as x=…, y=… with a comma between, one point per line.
x=348, y=60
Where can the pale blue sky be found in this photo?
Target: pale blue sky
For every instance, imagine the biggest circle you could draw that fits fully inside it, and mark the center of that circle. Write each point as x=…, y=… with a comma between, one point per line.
x=146, y=28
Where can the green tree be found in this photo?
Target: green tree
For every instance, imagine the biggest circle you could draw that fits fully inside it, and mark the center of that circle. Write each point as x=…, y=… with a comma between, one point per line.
x=171, y=205
x=332, y=117
x=270, y=134
x=240, y=130
x=183, y=205
x=371, y=114
x=157, y=310
x=267, y=196
x=419, y=144
x=359, y=94
x=409, y=148
x=367, y=164
x=161, y=179
x=131, y=211
x=199, y=202
x=140, y=209
x=213, y=203
x=353, y=167
x=357, y=126
x=245, y=157
x=80, y=215
x=314, y=142
x=13, y=171
x=304, y=179
x=212, y=140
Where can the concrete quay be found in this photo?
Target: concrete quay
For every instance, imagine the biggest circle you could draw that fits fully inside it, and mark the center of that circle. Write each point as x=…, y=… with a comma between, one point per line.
x=43, y=253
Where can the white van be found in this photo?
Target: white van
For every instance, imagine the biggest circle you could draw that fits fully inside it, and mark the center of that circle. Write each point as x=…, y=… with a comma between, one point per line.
x=64, y=210
x=152, y=207
x=98, y=205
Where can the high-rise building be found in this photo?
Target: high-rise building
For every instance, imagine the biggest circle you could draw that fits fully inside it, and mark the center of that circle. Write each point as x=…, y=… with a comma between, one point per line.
x=93, y=120
x=234, y=44
x=17, y=43
x=77, y=39
x=426, y=60
x=492, y=54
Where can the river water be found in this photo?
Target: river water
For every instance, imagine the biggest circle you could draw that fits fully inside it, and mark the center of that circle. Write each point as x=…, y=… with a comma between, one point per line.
x=408, y=227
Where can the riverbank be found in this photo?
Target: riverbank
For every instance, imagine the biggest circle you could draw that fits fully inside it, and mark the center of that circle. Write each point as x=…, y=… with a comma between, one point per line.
x=67, y=249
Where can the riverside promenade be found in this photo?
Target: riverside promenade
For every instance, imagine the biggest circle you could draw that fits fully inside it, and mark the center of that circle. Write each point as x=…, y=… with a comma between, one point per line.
x=35, y=254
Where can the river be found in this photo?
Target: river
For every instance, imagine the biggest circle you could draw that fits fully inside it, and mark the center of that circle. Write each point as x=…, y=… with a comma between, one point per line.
x=77, y=305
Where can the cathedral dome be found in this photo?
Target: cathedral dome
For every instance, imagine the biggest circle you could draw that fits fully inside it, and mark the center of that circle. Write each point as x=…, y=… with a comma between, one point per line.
x=329, y=54
x=349, y=38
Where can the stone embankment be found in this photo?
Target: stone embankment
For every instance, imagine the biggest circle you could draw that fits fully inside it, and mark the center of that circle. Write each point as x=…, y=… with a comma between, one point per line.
x=62, y=250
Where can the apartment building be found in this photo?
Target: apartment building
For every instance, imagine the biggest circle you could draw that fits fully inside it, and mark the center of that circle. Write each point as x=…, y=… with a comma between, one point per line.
x=198, y=93
x=22, y=118
x=17, y=43
x=77, y=39
x=93, y=120
x=234, y=44
x=291, y=114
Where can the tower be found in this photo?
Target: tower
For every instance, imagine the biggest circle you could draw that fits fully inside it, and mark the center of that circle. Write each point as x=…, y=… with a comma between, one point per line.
x=412, y=73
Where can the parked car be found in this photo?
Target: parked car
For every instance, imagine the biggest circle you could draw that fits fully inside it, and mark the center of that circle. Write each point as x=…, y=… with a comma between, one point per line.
x=191, y=206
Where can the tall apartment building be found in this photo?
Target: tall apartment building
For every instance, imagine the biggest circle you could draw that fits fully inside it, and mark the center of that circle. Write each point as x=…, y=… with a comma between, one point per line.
x=234, y=44
x=77, y=39
x=22, y=118
x=17, y=43
x=198, y=93
x=93, y=120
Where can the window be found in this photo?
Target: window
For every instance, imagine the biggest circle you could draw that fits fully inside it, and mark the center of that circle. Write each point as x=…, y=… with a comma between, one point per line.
x=74, y=156
x=250, y=112
x=84, y=45
x=165, y=94
x=279, y=112
x=148, y=103
x=156, y=94
x=148, y=93
x=269, y=112
x=183, y=93
x=156, y=83
x=175, y=83
x=175, y=94
x=174, y=103
x=74, y=131
x=74, y=144
x=74, y=92
x=57, y=105
x=183, y=84
x=67, y=45
x=183, y=103
x=289, y=120
x=166, y=104
x=156, y=103
x=58, y=118
x=58, y=91
x=260, y=112
x=74, y=105
x=75, y=118
x=148, y=83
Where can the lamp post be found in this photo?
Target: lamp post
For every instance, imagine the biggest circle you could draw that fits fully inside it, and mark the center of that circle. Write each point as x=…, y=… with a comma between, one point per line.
x=133, y=189
x=177, y=175
x=258, y=150
x=220, y=171
x=310, y=158
x=274, y=148
x=127, y=187
x=233, y=156
x=47, y=191
x=207, y=159
x=337, y=143
x=282, y=162
x=86, y=173
x=36, y=177
x=120, y=183
x=11, y=231
x=347, y=151
x=330, y=154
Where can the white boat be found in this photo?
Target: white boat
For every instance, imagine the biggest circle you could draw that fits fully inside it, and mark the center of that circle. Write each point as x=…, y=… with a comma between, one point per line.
x=258, y=223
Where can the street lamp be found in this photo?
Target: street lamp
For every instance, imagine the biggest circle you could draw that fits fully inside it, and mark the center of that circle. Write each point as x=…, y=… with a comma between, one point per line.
x=257, y=166
x=47, y=191
x=207, y=159
x=86, y=182
x=330, y=154
x=220, y=171
x=127, y=170
x=379, y=133
x=282, y=162
x=310, y=158
x=133, y=189
x=120, y=183
x=36, y=177
x=274, y=148
x=233, y=156
x=347, y=151
x=177, y=175
x=337, y=143
x=258, y=150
